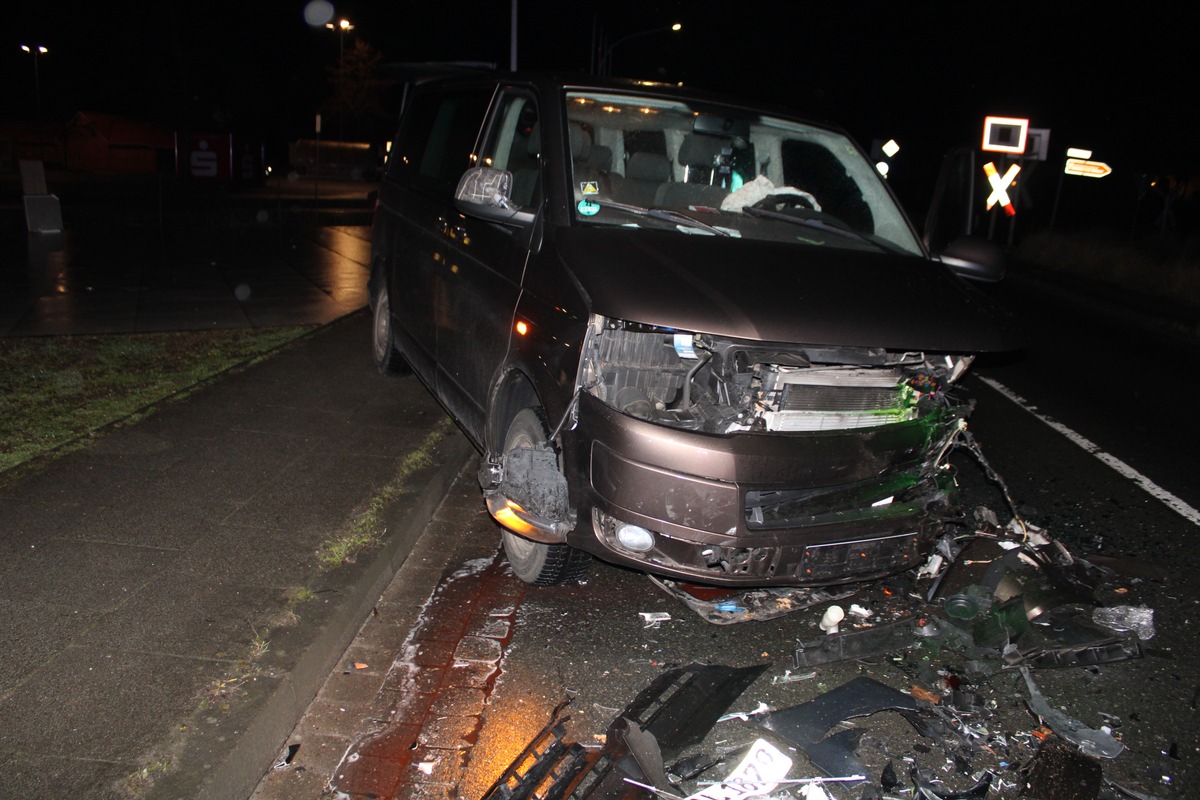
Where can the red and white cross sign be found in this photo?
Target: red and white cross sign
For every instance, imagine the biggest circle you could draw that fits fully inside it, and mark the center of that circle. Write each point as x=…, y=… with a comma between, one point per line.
x=1000, y=187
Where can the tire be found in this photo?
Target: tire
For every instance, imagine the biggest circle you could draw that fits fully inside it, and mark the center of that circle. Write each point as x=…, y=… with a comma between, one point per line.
x=383, y=339
x=533, y=562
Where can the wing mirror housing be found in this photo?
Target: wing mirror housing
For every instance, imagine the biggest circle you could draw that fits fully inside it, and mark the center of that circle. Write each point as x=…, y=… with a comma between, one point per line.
x=486, y=193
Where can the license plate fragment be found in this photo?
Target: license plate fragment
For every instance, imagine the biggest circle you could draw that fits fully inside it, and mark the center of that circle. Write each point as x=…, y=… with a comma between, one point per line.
x=759, y=773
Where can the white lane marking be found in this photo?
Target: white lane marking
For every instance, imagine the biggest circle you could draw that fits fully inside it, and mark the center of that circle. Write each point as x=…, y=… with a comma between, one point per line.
x=1171, y=501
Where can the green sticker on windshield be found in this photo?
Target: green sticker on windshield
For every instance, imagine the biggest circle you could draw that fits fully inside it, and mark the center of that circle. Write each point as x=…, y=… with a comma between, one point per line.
x=587, y=207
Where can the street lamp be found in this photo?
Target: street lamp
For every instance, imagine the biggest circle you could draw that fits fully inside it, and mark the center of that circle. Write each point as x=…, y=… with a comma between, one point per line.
x=343, y=25
x=605, y=64
x=35, y=51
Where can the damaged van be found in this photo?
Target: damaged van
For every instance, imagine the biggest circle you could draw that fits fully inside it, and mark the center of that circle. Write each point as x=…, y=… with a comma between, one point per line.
x=690, y=336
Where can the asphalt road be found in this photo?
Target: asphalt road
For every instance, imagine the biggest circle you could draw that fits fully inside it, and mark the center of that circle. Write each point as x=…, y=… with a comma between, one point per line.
x=1100, y=378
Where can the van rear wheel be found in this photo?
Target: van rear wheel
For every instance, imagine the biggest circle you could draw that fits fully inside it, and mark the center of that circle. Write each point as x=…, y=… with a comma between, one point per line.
x=533, y=562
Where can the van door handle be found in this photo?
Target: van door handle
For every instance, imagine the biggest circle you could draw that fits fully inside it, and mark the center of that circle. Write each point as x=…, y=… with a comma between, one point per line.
x=458, y=232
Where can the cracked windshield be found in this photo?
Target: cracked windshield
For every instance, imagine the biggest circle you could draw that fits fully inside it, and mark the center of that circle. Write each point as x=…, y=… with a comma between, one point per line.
x=649, y=162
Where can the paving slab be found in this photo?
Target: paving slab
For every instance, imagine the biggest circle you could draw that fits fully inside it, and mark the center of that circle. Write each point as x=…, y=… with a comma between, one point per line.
x=154, y=645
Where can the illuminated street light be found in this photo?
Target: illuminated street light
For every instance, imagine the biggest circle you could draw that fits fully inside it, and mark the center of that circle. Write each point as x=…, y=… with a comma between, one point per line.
x=35, y=51
x=604, y=67
x=342, y=27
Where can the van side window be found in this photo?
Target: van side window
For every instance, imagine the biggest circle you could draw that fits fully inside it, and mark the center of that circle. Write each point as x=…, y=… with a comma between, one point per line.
x=514, y=144
x=436, y=138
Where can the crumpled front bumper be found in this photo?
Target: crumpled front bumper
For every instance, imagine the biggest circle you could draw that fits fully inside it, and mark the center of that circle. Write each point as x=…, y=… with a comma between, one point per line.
x=762, y=509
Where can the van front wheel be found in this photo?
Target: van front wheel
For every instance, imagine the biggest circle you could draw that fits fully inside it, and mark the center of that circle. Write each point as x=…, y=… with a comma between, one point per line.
x=533, y=562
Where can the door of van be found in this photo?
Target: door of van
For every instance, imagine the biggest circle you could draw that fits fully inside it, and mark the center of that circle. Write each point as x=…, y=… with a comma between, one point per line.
x=482, y=276
x=437, y=139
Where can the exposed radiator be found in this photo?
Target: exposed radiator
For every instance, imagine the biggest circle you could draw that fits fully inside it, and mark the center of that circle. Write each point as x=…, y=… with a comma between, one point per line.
x=839, y=399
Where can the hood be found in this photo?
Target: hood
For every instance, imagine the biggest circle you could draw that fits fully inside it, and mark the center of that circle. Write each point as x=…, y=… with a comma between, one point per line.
x=781, y=292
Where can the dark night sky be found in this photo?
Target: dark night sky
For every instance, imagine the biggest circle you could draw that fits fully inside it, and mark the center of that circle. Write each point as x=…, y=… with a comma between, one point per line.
x=925, y=72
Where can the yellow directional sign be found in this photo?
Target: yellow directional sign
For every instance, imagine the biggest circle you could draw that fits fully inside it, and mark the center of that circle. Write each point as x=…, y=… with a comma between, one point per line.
x=1088, y=169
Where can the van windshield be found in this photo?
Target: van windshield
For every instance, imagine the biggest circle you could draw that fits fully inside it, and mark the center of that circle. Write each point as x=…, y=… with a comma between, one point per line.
x=730, y=171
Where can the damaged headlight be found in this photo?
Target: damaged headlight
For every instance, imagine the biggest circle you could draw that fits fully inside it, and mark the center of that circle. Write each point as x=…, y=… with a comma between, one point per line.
x=714, y=384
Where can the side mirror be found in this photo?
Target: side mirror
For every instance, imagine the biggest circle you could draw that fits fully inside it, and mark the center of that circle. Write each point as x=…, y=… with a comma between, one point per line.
x=974, y=259
x=486, y=193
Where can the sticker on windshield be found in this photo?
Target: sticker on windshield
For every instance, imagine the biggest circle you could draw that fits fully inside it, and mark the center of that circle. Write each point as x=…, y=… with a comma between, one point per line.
x=589, y=187
x=588, y=207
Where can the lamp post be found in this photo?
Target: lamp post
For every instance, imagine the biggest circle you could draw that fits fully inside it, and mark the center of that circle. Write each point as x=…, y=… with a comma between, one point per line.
x=343, y=25
x=35, y=51
x=604, y=67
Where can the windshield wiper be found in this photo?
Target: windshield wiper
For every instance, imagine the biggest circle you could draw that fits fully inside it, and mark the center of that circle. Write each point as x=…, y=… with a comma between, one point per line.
x=665, y=214
x=821, y=225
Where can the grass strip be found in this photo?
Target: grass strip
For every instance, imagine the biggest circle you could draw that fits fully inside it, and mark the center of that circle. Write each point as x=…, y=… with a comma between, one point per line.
x=56, y=391
x=365, y=530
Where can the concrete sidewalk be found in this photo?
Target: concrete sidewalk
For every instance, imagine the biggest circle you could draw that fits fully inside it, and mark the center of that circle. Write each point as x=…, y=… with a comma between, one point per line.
x=164, y=617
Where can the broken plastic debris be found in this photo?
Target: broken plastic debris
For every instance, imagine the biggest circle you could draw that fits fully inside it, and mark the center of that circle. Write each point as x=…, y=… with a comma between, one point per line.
x=805, y=725
x=745, y=716
x=674, y=712
x=1138, y=620
x=729, y=607
x=1092, y=742
x=813, y=791
x=831, y=619
x=285, y=758
x=858, y=611
x=926, y=790
x=931, y=567
x=1029, y=532
x=793, y=677
x=359, y=665
x=1083, y=655
x=864, y=643
x=426, y=767
x=653, y=619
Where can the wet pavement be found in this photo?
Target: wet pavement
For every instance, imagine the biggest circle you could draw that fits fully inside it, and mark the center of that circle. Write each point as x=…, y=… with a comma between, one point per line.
x=222, y=267
x=416, y=682
x=164, y=617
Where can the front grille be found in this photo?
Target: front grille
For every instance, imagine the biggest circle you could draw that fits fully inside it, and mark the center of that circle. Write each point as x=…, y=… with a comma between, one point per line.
x=789, y=508
x=860, y=559
x=796, y=564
